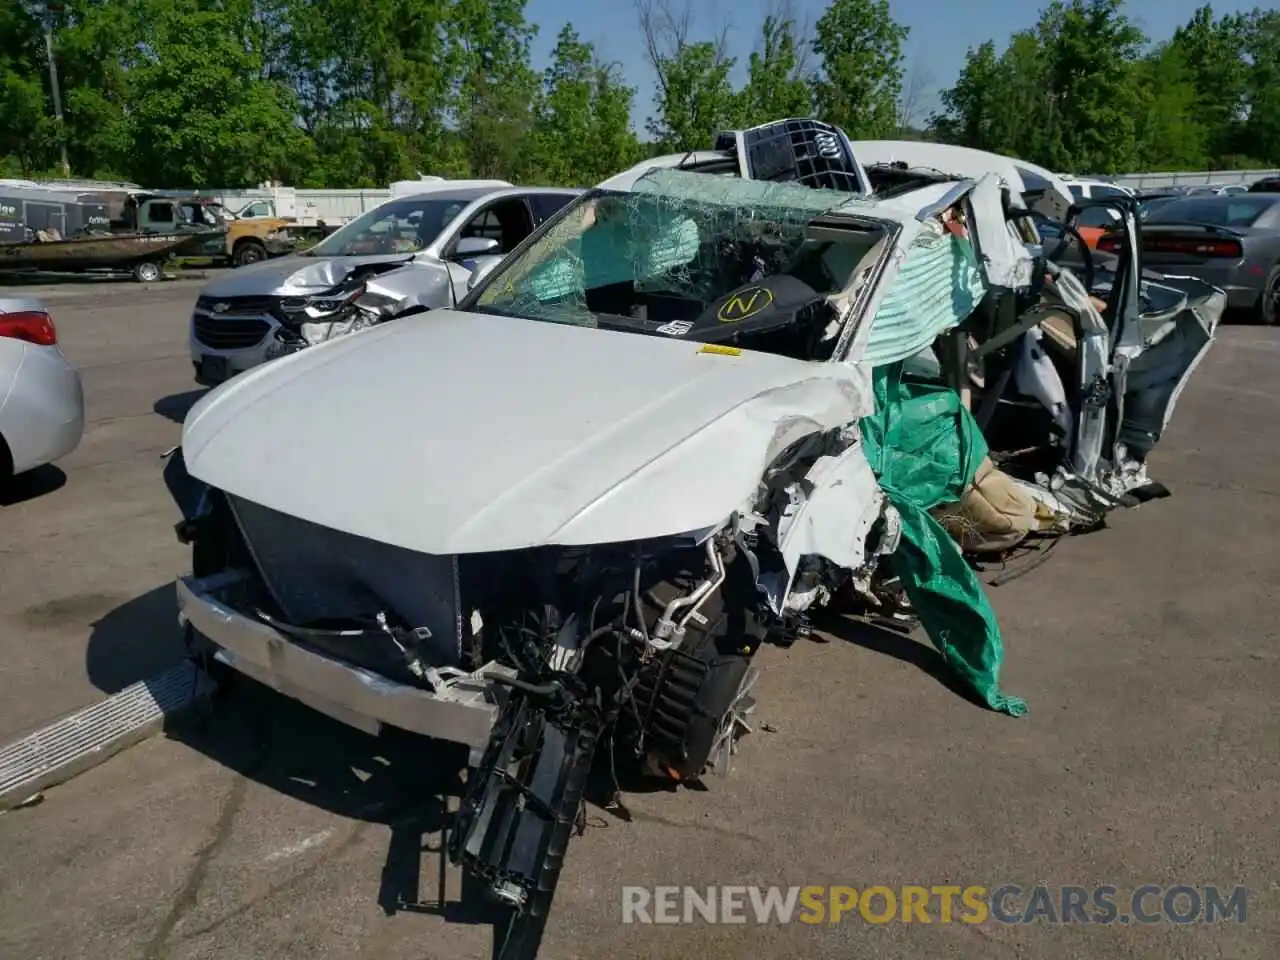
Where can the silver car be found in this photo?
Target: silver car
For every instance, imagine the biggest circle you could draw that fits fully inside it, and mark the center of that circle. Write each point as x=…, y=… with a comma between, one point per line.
x=447, y=235
x=41, y=400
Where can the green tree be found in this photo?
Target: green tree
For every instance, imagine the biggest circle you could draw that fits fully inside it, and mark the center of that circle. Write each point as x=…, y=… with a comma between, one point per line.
x=1260, y=132
x=27, y=134
x=1091, y=49
x=776, y=86
x=1214, y=53
x=496, y=85
x=860, y=48
x=1070, y=94
x=199, y=112
x=582, y=130
x=971, y=109
x=1000, y=103
x=1171, y=132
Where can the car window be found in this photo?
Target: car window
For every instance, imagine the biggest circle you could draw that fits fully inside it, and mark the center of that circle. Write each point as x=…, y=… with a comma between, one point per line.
x=1095, y=217
x=400, y=226
x=1032, y=181
x=1240, y=210
x=161, y=213
x=1102, y=191
x=547, y=205
x=508, y=221
x=258, y=209
x=1152, y=204
x=1077, y=191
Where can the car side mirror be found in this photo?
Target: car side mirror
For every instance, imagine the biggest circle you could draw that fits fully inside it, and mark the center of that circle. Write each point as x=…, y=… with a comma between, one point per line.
x=482, y=269
x=476, y=246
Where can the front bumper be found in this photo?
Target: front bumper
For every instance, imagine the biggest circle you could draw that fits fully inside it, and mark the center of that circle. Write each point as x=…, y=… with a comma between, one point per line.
x=279, y=246
x=462, y=712
x=230, y=360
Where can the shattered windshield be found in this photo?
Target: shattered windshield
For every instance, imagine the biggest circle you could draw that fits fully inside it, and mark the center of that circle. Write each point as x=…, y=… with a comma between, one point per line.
x=682, y=251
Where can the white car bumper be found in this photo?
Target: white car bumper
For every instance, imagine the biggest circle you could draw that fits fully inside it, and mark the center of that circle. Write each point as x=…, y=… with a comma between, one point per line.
x=462, y=712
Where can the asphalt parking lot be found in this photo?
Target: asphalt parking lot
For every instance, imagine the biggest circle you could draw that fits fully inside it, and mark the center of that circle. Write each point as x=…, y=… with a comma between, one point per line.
x=1147, y=653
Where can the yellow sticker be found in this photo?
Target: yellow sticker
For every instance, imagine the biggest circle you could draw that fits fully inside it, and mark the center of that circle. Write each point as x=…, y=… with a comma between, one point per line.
x=746, y=304
x=721, y=351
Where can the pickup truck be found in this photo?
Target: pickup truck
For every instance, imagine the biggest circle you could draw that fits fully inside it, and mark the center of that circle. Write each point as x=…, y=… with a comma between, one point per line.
x=247, y=240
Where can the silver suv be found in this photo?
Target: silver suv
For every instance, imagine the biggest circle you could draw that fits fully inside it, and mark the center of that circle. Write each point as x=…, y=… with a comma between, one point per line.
x=448, y=235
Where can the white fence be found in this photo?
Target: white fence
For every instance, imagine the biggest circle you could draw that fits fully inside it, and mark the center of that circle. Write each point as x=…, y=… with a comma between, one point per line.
x=1154, y=181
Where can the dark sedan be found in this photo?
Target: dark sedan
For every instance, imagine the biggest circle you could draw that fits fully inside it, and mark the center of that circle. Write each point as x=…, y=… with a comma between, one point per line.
x=1230, y=241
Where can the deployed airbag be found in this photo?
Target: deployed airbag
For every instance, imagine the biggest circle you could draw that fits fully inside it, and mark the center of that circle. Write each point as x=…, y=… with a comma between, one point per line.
x=938, y=285
x=925, y=448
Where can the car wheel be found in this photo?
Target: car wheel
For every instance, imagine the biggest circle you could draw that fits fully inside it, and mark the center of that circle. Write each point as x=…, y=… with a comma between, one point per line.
x=148, y=272
x=1269, y=303
x=248, y=253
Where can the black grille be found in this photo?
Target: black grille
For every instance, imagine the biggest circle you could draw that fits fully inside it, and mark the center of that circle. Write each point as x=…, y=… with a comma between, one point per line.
x=239, y=306
x=223, y=333
x=809, y=152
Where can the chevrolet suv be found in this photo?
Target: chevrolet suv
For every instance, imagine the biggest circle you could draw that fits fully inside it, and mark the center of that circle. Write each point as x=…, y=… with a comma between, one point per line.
x=448, y=235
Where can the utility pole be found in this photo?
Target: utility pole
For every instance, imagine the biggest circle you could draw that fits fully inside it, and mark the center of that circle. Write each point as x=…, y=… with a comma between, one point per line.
x=49, y=10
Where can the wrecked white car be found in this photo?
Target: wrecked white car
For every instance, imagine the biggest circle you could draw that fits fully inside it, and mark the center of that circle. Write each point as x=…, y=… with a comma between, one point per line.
x=559, y=521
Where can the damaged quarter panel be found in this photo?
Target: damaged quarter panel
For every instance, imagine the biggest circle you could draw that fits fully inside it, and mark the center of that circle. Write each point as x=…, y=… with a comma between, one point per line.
x=463, y=433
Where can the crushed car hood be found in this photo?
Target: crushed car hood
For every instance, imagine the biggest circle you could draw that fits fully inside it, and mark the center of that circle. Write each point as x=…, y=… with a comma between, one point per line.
x=459, y=433
x=294, y=275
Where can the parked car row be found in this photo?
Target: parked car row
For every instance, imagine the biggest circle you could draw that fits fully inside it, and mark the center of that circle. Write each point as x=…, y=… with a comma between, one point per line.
x=550, y=504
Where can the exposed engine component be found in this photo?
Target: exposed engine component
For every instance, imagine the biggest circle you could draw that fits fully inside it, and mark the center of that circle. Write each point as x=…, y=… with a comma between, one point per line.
x=346, y=308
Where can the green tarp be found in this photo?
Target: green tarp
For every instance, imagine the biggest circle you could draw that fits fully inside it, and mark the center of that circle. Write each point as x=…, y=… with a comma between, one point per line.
x=925, y=448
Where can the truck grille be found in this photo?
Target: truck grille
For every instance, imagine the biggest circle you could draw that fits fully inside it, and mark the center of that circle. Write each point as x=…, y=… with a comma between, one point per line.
x=237, y=306
x=223, y=333
x=810, y=152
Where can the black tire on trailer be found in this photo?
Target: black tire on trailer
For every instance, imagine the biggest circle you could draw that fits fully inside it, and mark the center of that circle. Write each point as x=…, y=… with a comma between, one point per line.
x=149, y=271
x=247, y=252
x=1269, y=302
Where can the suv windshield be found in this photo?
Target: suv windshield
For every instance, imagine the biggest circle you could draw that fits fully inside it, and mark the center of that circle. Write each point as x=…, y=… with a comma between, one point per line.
x=685, y=254
x=401, y=226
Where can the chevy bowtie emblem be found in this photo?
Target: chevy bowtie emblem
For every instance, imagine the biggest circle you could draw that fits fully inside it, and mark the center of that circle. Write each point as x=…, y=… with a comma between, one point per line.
x=221, y=307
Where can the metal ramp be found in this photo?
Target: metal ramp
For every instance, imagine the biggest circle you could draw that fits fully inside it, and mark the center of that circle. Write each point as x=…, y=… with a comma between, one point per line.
x=91, y=736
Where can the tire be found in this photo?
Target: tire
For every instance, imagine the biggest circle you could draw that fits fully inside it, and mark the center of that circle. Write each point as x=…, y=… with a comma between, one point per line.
x=249, y=251
x=149, y=271
x=1269, y=302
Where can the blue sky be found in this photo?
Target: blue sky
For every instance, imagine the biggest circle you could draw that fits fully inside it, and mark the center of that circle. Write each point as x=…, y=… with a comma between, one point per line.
x=941, y=30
